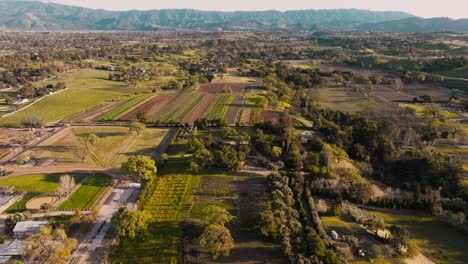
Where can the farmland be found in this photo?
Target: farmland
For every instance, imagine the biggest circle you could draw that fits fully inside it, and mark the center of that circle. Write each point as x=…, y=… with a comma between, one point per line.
x=113, y=145
x=123, y=108
x=151, y=107
x=219, y=107
x=86, y=90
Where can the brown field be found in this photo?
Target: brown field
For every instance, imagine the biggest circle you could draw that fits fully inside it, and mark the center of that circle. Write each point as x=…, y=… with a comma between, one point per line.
x=438, y=93
x=234, y=108
x=151, y=107
x=95, y=112
x=270, y=116
x=35, y=203
x=7, y=135
x=202, y=107
x=221, y=87
x=246, y=116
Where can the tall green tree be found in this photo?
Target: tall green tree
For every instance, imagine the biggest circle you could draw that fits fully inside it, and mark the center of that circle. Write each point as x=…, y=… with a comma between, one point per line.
x=217, y=240
x=128, y=222
x=139, y=168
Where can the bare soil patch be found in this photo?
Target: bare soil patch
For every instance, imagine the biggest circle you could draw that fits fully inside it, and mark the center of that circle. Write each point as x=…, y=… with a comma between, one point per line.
x=198, y=112
x=151, y=107
x=225, y=87
x=234, y=109
x=271, y=116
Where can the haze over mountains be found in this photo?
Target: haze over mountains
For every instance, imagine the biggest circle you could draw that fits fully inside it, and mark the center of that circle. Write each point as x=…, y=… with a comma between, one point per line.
x=28, y=15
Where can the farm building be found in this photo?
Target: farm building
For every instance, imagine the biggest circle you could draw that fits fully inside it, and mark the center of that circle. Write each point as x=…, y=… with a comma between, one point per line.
x=27, y=228
x=9, y=251
x=134, y=185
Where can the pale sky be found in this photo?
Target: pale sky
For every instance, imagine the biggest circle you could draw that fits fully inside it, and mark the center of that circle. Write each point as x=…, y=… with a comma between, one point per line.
x=422, y=8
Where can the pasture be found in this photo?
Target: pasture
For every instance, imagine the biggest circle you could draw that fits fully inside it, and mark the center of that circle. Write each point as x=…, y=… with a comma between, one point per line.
x=86, y=89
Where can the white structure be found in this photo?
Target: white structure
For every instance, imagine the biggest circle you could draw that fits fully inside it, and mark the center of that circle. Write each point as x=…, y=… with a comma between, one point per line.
x=135, y=185
x=334, y=235
x=14, y=249
x=27, y=228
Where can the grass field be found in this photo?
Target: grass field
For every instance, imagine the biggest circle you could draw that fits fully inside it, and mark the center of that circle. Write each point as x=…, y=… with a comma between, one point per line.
x=158, y=244
x=437, y=239
x=420, y=110
x=122, y=109
x=38, y=183
x=115, y=144
x=20, y=205
x=219, y=107
x=86, y=89
x=87, y=194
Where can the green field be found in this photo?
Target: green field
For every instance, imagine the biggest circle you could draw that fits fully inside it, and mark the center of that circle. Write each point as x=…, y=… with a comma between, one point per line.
x=158, y=244
x=86, y=90
x=419, y=109
x=115, y=144
x=122, y=109
x=170, y=201
x=87, y=194
x=219, y=107
x=437, y=239
x=38, y=183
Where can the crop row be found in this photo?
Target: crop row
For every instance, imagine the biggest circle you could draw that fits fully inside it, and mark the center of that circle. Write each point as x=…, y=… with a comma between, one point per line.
x=219, y=107
x=168, y=199
x=183, y=110
x=122, y=109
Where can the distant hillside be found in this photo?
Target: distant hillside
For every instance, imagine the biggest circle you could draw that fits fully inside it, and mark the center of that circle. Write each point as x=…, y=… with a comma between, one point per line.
x=418, y=25
x=28, y=15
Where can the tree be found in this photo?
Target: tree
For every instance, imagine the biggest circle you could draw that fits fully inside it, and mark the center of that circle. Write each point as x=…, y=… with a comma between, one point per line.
x=27, y=90
x=269, y=224
x=33, y=121
x=362, y=192
x=46, y=207
x=128, y=222
x=141, y=117
x=316, y=244
x=276, y=152
x=400, y=236
x=11, y=221
x=49, y=246
x=139, y=168
x=337, y=78
x=218, y=240
x=136, y=127
x=67, y=183
x=216, y=215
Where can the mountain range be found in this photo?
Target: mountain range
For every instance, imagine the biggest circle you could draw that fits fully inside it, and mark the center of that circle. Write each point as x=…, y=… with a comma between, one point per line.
x=35, y=15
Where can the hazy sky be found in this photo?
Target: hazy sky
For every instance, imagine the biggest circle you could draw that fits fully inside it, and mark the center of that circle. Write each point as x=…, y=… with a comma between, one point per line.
x=423, y=8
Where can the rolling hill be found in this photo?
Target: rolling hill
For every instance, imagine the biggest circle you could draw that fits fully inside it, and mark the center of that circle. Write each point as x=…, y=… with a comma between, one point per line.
x=35, y=15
